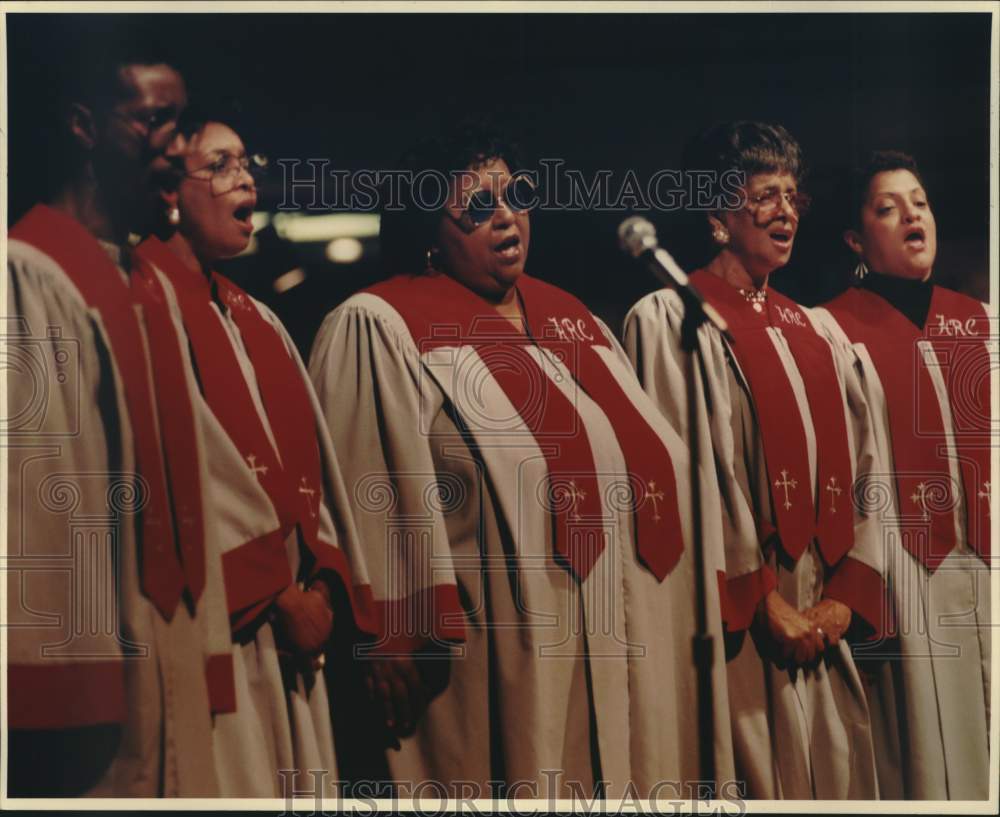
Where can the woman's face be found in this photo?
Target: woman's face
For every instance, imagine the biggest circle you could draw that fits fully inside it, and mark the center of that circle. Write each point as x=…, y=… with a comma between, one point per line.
x=761, y=234
x=217, y=195
x=898, y=234
x=489, y=258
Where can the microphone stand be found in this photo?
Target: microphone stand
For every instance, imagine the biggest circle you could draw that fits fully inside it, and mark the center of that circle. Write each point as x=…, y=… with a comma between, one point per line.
x=696, y=312
x=703, y=646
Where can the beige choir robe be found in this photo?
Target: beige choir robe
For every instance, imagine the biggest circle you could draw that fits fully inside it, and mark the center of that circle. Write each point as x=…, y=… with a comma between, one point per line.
x=281, y=730
x=929, y=684
x=547, y=680
x=85, y=645
x=798, y=733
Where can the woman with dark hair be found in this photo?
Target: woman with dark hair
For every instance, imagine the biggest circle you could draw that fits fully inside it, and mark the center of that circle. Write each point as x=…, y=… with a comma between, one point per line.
x=522, y=505
x=789, y=431
x=279, y=510
x=925, y=355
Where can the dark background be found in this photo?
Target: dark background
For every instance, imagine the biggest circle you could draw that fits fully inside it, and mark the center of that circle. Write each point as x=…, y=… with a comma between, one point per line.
x=600, y=91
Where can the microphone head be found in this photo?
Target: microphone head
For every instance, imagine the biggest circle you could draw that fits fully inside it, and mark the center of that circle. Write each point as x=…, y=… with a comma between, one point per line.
x=636, y=235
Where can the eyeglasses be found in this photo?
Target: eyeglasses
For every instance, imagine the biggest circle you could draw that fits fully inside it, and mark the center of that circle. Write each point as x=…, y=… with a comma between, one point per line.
x=226, y=168
x=149, y=121
x=520, y=195
x=768, y=203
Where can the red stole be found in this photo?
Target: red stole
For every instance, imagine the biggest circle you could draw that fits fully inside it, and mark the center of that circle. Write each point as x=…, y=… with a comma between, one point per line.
x=440, y=312
x=957, y=330
x=292, y=475
x=171, y=537
x=799, y=515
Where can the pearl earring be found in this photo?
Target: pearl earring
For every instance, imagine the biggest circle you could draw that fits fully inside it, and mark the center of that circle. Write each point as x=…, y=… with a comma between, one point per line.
x=173, y=216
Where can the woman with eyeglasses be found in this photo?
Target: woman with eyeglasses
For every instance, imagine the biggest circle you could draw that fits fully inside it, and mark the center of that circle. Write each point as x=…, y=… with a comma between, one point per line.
x=278, y=506
x=790, y=430
x=926, y=357
x=521, y=503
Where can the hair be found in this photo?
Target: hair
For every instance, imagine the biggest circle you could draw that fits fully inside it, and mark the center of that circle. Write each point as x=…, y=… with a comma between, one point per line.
x=202, y=109
x=750, y=147
x=854, y=189
x=407, y=230
x=745, y=146
x=90, y=71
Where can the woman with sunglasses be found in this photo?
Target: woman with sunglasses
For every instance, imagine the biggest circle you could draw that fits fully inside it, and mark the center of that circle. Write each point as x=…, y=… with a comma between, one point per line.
x=286, y=573
x=521, y=504
x=925, y=353
x=802, y=567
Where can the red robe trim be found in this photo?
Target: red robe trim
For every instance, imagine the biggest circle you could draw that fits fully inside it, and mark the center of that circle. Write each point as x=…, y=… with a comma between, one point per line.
x=799, y=515
x=257, y=571
x=440, y=312
x=176, y=426
x=739, y=596
x=221, y=682
x=957, y=330
x=862, y=589
x=51, y=695
x=102, y=287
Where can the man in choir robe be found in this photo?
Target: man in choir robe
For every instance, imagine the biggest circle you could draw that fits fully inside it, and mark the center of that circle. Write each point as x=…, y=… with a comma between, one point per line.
x=117, y=641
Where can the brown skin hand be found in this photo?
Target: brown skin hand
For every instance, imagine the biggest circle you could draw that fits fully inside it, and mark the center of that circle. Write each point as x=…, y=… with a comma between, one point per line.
x=793, y=634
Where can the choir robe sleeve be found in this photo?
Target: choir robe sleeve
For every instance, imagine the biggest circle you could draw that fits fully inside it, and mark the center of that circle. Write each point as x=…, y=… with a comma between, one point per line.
x=378, y=402
x=858, y=580
x=341, y=561
x=652, y=332
x=68, y=477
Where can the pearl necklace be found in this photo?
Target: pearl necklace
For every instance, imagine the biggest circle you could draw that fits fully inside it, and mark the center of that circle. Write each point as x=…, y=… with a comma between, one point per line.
x=755, y=297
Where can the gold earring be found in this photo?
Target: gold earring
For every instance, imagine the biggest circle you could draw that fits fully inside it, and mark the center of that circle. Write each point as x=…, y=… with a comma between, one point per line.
x=173, y=216
x=431, y=260
x=721, y=236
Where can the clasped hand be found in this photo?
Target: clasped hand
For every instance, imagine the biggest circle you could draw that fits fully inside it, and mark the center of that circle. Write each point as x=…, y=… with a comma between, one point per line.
x=304, y=622
x=801, y=637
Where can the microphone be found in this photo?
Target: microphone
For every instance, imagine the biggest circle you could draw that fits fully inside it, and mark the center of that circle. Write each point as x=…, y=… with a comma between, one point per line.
x=637, y=237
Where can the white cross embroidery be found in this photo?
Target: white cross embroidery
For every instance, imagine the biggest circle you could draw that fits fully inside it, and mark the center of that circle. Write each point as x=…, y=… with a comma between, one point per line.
x=575, y=495
x=920, y=498
x=835, y=491
x=308, y=492
x=985, y=494
x=655, y=496
x=254, y=468
x=786, y=483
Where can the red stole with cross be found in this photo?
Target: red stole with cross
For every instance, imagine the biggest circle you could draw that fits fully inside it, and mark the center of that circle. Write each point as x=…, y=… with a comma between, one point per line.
x=798, y=514
x=957, y=332
x=292, y=475
x=172, y=553
x=440, y=312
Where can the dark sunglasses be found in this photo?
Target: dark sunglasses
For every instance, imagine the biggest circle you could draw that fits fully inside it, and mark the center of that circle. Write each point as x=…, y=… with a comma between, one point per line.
x=520, y=195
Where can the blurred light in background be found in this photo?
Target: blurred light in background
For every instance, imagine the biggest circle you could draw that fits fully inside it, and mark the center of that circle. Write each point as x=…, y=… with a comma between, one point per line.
x=344, y=250
x=326, y=227
x=341, y=232
x=289, y=280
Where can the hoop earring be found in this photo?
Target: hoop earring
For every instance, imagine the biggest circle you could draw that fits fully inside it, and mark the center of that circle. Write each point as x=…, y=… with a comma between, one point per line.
x=432, y=258
x=861, y=270
x=173, y=216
